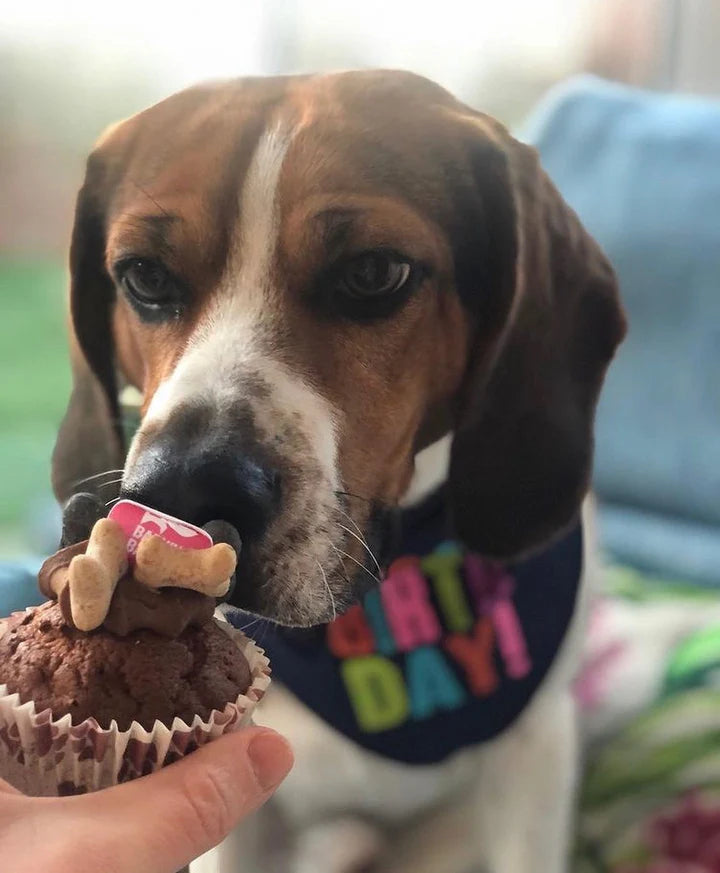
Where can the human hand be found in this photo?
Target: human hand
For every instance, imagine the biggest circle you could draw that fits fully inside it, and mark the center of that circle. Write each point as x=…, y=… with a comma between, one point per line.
x=156, y=824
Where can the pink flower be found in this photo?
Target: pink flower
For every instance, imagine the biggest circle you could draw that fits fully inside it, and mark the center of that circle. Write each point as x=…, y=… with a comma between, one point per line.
x=686, y=840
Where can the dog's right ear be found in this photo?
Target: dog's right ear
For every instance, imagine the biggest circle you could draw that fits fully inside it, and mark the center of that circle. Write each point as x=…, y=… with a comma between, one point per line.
x=90, y=440
x=523, y=437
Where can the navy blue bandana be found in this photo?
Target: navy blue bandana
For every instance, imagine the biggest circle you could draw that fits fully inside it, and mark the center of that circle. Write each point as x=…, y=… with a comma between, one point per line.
x=445, y=653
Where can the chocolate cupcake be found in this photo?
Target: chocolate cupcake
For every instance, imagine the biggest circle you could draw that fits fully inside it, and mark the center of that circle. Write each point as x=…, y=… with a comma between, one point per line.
x=142, y=677
x=157, y=676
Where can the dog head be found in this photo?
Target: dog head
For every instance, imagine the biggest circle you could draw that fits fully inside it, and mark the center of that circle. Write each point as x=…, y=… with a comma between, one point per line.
x=310, y=279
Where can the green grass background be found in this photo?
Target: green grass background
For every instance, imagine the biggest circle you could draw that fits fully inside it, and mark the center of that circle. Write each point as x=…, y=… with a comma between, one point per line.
x=34, y=388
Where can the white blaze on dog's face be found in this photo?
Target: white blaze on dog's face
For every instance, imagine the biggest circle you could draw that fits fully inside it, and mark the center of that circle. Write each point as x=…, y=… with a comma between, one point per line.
x=230, y=366
x=308, y=279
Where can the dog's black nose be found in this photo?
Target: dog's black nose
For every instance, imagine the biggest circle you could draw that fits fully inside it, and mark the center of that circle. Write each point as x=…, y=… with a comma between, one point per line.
x=199, y=483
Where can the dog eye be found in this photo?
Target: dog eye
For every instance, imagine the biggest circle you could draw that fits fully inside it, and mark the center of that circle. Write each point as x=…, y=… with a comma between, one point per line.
x=148, y=283
x=373, y=274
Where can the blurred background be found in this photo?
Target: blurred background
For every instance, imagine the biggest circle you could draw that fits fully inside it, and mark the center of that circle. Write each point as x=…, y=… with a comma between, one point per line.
x=67, y=70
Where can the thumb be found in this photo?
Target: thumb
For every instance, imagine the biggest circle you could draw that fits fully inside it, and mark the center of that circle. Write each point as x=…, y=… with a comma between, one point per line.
x=163, y=821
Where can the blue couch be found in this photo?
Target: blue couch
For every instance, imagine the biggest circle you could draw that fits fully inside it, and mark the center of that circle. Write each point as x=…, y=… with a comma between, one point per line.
x=643, y=172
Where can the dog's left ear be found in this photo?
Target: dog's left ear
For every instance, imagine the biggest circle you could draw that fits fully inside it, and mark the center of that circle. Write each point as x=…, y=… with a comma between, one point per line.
x=547, y=320
x=90, y=439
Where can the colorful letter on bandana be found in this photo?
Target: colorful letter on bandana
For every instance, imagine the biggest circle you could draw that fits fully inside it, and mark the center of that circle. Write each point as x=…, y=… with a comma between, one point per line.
x=376, y=619
x=492, y=588
x=405, y=600
x=432, y=683
x=349, y=635
x=443, y=567
x=475, y=655
x=377, y=692
x=511, y=640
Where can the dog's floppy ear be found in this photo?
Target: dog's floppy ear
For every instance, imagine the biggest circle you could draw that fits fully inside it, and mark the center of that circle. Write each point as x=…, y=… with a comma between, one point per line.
x=90, y=439
x=522, y=450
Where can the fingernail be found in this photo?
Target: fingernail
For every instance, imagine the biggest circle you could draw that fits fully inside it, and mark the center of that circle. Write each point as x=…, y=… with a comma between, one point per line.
x=271, y=758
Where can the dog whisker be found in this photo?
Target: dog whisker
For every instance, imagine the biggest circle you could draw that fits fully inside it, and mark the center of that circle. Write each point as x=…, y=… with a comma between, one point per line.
x=111, y=482
x=328, y=589
x=351, y=520
x=362, y=542
x=152, y=199
x=355, y=561
x=97, y=476
x=262, y=633
x=250, y=623
x=355, y=496
x=340, y=553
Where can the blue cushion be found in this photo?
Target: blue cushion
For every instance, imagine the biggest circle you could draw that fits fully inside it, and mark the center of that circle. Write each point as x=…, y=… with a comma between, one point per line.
x=678, y=549
x=643, y=172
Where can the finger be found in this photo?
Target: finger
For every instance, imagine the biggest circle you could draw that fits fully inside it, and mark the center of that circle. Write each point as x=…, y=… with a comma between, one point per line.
x=15, y=829
x=162, y=822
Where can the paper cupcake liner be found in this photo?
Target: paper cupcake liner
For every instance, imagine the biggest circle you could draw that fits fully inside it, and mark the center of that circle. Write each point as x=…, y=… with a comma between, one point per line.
x=44, y=757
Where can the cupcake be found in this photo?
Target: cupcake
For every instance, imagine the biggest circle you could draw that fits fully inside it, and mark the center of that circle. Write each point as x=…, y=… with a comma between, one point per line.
x=125, y=669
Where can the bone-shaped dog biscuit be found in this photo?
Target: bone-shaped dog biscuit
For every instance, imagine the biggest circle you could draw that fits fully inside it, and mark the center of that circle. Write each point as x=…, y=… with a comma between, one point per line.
x=92, y=577
x=159, y=564
x=91, y=590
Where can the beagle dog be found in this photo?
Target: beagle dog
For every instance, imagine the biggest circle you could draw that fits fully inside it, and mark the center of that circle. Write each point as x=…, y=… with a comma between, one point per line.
x=339, y=294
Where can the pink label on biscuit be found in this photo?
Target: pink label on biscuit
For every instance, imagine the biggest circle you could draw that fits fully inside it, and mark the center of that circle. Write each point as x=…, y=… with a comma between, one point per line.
x=139, y=521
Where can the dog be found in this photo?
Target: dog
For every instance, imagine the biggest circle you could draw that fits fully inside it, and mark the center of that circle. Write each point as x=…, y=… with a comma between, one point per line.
x=341, y=296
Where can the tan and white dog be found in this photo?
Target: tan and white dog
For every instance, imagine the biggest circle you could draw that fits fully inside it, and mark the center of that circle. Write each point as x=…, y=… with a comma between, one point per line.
x=321, y=285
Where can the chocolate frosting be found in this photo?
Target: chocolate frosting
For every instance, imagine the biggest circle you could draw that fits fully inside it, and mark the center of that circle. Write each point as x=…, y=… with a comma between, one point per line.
x=57, y=562
x=167, y=611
